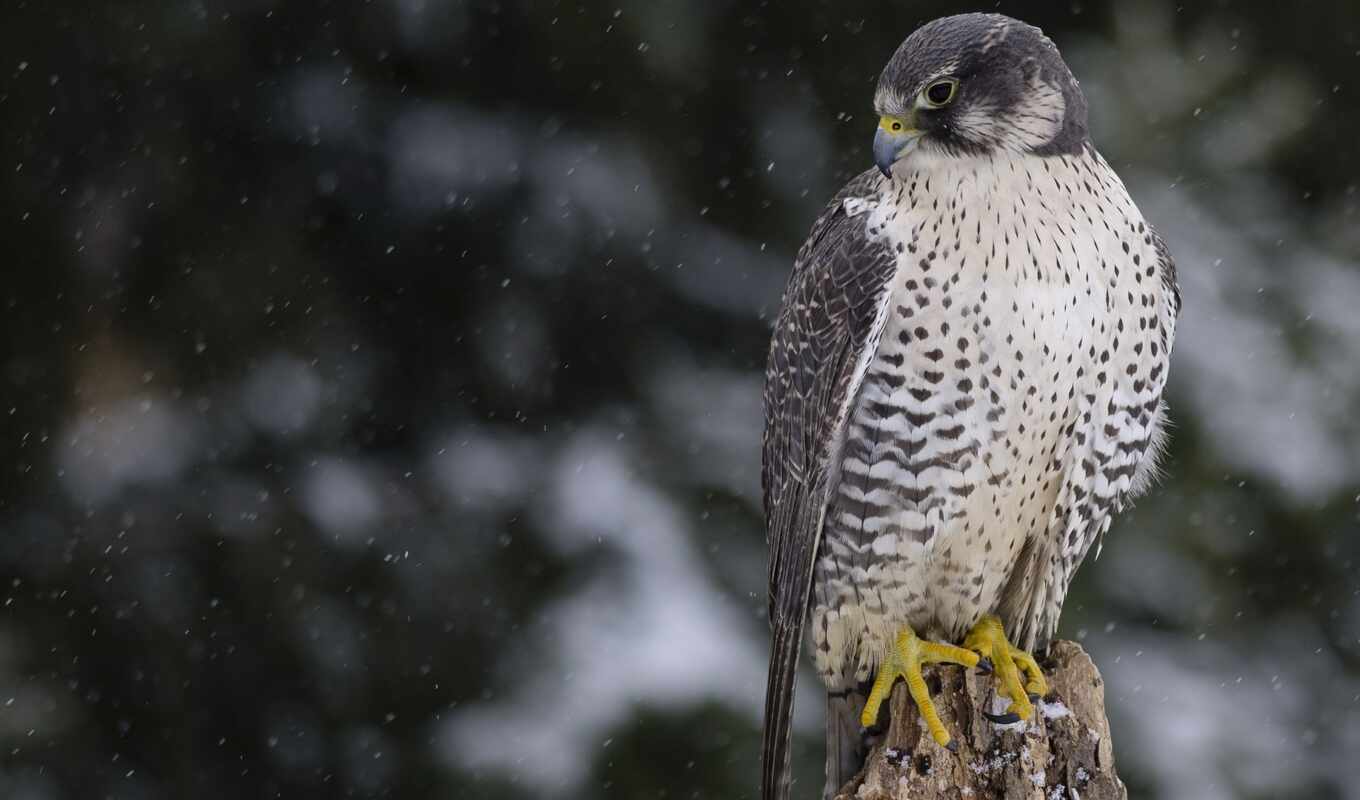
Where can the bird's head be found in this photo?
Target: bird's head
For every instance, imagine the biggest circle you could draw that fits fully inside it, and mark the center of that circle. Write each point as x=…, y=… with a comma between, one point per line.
x=973, y=84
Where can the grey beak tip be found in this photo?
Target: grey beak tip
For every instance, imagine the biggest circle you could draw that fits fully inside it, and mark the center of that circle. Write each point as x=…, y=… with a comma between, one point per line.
x=887, y=148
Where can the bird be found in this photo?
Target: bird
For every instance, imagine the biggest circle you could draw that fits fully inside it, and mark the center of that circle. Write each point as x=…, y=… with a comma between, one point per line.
x=964, y=386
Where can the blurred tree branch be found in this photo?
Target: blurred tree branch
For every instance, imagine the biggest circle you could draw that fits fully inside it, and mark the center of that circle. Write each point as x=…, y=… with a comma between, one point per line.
x=1064, y=755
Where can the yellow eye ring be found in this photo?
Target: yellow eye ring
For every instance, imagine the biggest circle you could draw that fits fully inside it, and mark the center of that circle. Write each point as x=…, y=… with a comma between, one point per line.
x=939, y=93
x=897, y=126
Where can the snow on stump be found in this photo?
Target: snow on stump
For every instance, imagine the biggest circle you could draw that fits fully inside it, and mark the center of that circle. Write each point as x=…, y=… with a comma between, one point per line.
x=1065, y=754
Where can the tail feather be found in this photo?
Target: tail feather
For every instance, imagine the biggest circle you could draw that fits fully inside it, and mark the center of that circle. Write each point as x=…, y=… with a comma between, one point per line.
x=775, y=740
x=845, y=747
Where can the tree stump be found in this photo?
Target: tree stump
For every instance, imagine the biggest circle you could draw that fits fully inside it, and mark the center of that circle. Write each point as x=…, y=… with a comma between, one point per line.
x=1063, y=754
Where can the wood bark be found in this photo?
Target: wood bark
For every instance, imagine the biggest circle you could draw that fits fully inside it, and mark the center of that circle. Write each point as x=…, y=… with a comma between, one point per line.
x=1064, y=753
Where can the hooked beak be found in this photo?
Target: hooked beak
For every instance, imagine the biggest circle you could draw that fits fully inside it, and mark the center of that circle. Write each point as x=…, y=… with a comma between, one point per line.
x=891, y=141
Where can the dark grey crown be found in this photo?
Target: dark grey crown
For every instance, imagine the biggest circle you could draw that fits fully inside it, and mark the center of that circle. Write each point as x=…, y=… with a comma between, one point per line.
x=1014, y=90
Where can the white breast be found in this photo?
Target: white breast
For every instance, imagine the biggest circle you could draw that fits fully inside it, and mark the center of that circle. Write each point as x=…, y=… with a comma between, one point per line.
x=1013, y=321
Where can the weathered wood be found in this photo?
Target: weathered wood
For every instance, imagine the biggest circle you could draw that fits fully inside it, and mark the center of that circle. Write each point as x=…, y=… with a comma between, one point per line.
x=1064, y=754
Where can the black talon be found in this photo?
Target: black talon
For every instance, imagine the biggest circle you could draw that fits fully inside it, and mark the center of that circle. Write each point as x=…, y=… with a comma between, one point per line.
x=1009, y=718
x=952, y=745
x=984, y=666
x=1033, y=697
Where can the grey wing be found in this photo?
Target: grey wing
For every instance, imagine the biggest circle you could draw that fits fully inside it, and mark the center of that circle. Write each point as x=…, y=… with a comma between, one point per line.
x=831, y=317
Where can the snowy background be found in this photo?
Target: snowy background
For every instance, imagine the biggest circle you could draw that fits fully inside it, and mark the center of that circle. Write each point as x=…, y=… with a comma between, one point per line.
x=379, y=390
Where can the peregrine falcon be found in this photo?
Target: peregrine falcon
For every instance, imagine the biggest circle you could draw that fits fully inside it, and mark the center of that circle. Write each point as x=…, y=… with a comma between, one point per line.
x=964, y=386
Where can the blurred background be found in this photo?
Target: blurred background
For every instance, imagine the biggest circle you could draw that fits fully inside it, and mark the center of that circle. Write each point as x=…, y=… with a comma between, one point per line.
x=379, y=390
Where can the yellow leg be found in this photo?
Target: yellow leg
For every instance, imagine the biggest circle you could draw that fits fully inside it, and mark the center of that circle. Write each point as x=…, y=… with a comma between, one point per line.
x=988, y=639
x=904, y=660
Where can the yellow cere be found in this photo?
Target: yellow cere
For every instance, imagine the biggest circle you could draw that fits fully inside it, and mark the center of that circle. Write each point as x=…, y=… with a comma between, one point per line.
x=891, y=124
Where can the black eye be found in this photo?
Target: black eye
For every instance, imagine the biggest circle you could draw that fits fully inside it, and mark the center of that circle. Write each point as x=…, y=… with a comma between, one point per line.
x=940, y=93
x=897, y=126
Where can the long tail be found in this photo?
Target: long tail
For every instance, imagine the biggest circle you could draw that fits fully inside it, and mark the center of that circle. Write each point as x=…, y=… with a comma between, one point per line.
x=845, y=750
x=774, y=746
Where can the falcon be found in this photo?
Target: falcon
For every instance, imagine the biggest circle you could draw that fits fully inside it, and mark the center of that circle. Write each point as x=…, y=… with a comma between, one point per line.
x=964, y=386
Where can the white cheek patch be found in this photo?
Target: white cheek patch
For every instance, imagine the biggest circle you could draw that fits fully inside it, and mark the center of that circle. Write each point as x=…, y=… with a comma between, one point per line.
x=982, y=122
x=1038, y=118
x=1034, y=122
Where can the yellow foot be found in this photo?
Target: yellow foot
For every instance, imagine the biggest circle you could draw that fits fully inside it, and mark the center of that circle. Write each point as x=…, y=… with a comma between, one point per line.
x=904, y=660
x=988, y=639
